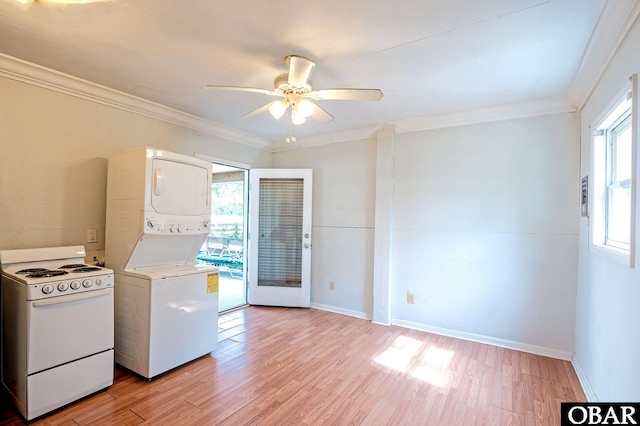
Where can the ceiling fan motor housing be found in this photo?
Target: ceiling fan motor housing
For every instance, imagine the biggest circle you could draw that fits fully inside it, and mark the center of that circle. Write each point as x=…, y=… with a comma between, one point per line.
x=281, y=84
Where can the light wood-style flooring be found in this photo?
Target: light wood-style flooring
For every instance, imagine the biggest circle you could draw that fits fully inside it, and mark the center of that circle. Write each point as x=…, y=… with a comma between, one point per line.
x=279, y=366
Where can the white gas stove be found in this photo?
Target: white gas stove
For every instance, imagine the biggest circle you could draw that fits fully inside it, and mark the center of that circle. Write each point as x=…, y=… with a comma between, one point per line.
x=54, y=277
x=46, y=364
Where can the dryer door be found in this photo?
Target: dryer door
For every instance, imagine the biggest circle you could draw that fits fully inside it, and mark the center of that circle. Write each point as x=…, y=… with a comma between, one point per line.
x=179, y=189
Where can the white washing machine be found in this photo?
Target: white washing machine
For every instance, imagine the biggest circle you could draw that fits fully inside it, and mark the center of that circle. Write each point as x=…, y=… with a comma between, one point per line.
x=165, y=318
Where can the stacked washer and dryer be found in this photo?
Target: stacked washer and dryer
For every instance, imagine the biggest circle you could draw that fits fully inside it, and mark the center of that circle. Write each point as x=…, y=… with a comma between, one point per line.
x=158, y=217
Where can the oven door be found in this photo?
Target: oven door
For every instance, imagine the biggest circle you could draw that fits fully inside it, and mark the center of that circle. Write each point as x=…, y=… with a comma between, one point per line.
x=66, y=328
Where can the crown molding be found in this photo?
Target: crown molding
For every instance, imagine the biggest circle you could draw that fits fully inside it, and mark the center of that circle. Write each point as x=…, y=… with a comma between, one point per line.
x=484, y=115
x=614, y=23
x=439, y=121
x=36, y=75
x=326, y=138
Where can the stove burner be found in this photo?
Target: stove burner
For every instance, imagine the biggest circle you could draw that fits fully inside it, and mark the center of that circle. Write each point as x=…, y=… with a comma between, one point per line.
x=73, y=266
x=46, y=273
x=30, y=270
x=86, y=269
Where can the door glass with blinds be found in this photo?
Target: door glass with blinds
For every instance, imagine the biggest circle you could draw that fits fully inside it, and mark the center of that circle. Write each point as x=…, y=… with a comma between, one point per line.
x=280, y=237
x=280, y=233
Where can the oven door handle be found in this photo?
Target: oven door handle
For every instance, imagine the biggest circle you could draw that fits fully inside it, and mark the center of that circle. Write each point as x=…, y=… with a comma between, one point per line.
x=71, y=297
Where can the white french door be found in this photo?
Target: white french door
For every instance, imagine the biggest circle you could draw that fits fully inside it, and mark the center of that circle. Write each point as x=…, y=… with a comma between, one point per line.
x=280, y=237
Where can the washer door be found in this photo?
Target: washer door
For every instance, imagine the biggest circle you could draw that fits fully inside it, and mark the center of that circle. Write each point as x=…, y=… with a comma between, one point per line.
x=184, y=321
x=66, y=328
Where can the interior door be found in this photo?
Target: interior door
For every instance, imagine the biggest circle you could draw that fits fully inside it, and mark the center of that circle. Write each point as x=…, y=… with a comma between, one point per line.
x=280, y=237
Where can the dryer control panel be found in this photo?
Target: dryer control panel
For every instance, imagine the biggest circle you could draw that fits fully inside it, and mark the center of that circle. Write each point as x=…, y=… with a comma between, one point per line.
x=160, y=225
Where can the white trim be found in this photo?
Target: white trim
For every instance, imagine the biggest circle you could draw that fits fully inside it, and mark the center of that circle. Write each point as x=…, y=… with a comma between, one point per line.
x=326, y=139
x=36, y=75
x=522, y=347
x=584, y=382
x=383, y=226
x=299, y=296
x=635, y=126
x=484, y=115
x=224, y=161
x=597, y=221
x=615, y=21
x=348, y=312
x=616, y=100
x=507, y=344
x=616, y=255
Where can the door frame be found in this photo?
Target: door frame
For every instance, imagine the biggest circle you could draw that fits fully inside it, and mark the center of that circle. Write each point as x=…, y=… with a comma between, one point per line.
x=273, y=295
x=245, y=243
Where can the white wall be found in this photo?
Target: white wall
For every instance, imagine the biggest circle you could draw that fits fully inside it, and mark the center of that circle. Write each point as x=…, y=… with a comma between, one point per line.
x=485, y=232
x=608, y=294
x=53, y=166
x=485, y=229
x=343, y=222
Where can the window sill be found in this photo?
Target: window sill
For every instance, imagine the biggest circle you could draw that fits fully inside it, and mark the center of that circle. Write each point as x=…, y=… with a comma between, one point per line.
x=616, y=255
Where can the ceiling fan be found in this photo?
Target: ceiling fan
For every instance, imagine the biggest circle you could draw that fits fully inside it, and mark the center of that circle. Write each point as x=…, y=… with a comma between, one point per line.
x=296, y=89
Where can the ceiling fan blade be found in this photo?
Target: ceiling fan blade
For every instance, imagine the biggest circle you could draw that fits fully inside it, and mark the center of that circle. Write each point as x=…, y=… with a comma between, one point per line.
x=347, y=94
x=261, y=110
x=241, y=89
x=299, y=70
x=321, y=115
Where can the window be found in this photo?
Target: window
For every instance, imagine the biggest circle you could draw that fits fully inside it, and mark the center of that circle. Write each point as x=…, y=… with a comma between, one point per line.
x=613, y=171
x=619, y=183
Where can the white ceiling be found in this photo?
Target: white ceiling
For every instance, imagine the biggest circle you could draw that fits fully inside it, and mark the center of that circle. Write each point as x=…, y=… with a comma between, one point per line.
x=428, y=57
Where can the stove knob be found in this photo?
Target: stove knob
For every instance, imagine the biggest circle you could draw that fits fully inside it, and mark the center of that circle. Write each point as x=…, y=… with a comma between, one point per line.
x=47, y=289
x=63, y=286
x=75, y=285
x=172, y=229
x=99, y=281
x=87, y=283
x=180, y=229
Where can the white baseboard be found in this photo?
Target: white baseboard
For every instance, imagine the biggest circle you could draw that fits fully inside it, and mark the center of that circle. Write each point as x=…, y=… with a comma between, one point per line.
x=355, y=314
x=522, y=347
x=584, y=382
x=508, y=344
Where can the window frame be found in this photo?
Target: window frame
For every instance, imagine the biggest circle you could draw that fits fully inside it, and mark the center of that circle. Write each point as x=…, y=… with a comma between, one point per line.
x=613, y=183
x=619, y=115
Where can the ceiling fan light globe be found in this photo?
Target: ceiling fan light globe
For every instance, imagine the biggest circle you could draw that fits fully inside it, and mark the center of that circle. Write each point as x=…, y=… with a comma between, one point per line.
x=297, y=118
x=277, y=109
x=306, y=107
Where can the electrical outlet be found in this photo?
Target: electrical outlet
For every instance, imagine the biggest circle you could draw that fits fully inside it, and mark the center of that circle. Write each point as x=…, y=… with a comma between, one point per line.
x=92, y=236
x=332, y=285
x=410, y=297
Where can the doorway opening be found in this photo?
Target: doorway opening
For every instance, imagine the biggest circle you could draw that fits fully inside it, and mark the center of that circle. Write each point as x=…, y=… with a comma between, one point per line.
x=225, y=247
